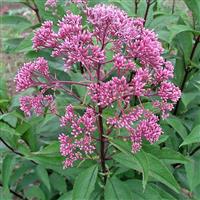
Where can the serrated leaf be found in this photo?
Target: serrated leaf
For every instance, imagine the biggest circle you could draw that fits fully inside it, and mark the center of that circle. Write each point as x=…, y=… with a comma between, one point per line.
x=85, y=183
x=46, y=161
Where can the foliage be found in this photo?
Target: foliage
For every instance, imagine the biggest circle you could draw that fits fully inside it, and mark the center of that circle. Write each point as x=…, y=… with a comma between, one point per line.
x=31, y=165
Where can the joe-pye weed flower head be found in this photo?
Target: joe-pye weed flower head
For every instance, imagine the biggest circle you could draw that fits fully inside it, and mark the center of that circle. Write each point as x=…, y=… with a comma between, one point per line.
x=122, y=66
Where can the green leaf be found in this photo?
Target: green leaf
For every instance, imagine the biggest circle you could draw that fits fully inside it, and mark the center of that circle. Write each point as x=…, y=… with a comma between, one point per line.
x=85, y=183
x=8, y=134
x=194, y=6
x=139, y=194
x=7, y=167
x=166, y=154
x=45, y=14
x=177, y=29
x=161, y=173
x=13, y=20
x=188, y=97
x=46, y=161
x=3, y=88
x=66, y=196
x=52, y=148
x=127, y=161
x=34, y=192
x=43, y=175
x=193, y=137
x=25, y=45
x=116, y=189
x=9, y=118
x=161, y=21
x=157, y=169
x=140, y=157
x=58, y=182
x=192, y=169
x=177, y=124
x=15, y=23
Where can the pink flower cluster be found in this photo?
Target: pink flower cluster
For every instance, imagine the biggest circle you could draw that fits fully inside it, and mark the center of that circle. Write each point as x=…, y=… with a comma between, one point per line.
x=34, y=74
x=149, y=128
x=81, y=139
x=37, y=104
x=28, y=75
x=139, y=123
x=106, y=93
x=123, y=63
x=71, y=42
x=53, y=3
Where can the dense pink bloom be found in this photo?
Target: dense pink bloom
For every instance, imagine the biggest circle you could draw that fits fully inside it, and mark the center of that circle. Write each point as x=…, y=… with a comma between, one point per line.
x=79, y=48
x=37, y=104
x=126, y=120
x=164, y=108
x=53, y=3
x=69, y=26
x=147, y=49
x=107, y=21
x=139, y=81
x=148, y=128
x=45, y=37
x=106, y=93
x=123, y=63
x=169, y=91
x=164, y=73
x=80, y=141
x=27, y=75
x=68, y=149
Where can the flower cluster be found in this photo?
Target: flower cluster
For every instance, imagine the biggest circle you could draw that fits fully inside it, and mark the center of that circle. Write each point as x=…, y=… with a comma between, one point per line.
x=82, y=129
x=53, y=3
x=28, y=75
x=71, y=42
x=106, y=93
x=123, y=63
x=37, y=104
x=148, y=128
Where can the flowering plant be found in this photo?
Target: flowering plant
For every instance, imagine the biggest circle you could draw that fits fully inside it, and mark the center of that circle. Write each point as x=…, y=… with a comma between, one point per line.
x=122, y=67
x=98, y=113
